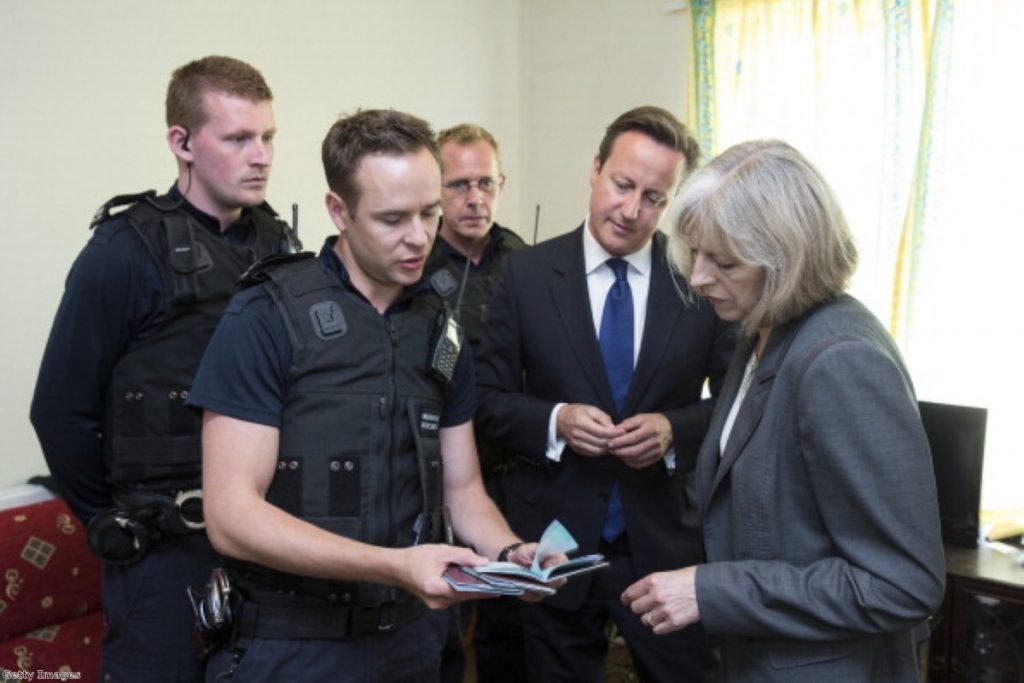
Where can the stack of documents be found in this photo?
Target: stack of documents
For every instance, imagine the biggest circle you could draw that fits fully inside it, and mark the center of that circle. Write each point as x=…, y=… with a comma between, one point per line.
x=508, y=578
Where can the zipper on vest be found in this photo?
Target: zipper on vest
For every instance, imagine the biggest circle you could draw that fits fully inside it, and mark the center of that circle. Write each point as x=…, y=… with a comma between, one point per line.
x=392, y=386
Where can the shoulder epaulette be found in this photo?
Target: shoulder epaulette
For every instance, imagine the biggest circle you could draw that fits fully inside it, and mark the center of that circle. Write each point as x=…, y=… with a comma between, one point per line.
x=258, y=272
x=103, y=213
x=512, y=241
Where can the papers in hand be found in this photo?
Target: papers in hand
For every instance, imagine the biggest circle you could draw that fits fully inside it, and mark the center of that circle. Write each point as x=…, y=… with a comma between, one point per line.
x=467, y=580
x=508, y=578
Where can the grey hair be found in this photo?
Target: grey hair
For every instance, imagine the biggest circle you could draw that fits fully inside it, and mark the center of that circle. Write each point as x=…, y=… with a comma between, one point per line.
x=763, y=203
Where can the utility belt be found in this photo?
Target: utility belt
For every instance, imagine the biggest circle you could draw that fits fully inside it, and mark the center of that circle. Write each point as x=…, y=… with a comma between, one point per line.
x=227, y=611
x=140, y=520
x=282, y=616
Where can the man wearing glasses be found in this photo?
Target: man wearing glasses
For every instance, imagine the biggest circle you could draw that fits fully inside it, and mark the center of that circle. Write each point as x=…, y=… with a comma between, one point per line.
x=471, y=183
x=591, y=369
x=464, y=266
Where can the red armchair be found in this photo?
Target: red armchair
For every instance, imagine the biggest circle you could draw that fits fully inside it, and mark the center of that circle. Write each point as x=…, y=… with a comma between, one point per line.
x=50, y=616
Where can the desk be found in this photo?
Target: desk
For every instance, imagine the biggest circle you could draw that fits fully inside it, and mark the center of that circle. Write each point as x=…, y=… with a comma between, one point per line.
x=979, y=634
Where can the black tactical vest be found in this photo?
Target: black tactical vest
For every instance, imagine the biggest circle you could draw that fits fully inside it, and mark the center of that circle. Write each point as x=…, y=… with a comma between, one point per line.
x=359, y=447
x=446, y=275
x=150, y=436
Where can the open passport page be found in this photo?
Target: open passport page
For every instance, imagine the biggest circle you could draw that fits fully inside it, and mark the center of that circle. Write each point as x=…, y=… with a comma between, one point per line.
x=508, y=578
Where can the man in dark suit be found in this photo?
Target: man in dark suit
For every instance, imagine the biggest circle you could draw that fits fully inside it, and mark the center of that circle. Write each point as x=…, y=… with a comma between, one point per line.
x=591, y=370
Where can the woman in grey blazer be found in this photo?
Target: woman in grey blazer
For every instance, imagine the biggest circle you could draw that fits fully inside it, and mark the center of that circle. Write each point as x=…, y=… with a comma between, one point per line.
x=819, y=511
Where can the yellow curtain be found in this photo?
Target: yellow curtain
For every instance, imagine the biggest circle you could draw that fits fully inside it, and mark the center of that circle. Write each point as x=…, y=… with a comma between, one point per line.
x=904, y=105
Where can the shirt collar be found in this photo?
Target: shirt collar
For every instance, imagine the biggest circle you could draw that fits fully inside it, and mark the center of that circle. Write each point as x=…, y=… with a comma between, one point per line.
x=238, y=229
x=336, y=267
x=330, y=259
x=594, y=255
x=494, y=238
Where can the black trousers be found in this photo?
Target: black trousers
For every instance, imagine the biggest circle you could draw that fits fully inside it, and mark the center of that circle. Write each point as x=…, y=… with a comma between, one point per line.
x=572, y=645
x=498, y=632
x=408, y=654
x=151, y=634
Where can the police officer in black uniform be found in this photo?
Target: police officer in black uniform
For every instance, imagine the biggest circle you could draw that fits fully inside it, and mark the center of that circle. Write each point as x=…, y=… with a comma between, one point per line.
x=337, y=434
x=140, y=304
x=464, y=266
x=471, y=182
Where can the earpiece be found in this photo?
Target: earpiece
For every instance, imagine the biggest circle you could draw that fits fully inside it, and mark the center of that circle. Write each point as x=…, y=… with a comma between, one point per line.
x=184, y=143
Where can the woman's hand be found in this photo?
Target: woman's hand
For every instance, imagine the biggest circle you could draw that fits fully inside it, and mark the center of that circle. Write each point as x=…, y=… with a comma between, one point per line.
x=665, y=601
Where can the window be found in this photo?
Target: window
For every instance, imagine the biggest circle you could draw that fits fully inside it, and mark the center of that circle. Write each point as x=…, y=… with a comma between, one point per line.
x=912, y=112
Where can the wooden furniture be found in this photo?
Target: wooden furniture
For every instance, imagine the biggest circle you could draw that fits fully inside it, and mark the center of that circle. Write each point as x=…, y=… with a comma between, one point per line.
x=978, y=637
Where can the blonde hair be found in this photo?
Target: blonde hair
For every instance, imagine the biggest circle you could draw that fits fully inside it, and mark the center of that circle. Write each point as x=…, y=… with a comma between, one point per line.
x=467, y=134
x=765, y=204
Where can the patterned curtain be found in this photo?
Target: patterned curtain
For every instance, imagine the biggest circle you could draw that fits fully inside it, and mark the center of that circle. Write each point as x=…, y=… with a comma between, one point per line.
x=903, y=105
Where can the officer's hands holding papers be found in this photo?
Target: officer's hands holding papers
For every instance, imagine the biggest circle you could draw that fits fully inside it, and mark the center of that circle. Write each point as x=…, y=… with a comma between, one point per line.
x=537, y=570
x=416, y=570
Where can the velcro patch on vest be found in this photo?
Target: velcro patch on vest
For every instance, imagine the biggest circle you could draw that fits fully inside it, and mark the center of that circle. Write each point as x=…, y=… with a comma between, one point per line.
x=443, y=282
x=328, y=320
x=430, y=422
x=204, y=261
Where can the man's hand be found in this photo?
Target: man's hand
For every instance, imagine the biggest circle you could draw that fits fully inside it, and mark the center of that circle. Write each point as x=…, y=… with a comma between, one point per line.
x=665, y=601
x=586, y=429
x=523, y=556
x=421, y=567
x=644, y=440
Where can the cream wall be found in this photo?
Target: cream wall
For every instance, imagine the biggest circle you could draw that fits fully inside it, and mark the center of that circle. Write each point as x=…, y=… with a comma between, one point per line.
x=584, y=63
x=81, y=115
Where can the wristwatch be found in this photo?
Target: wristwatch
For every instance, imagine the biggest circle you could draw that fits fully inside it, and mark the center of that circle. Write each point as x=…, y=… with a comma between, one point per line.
x=507, y=550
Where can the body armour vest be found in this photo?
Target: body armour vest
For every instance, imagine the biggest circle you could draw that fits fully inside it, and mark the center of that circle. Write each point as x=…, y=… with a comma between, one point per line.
x=150, y=436
x=359, y=451
x=446, y=275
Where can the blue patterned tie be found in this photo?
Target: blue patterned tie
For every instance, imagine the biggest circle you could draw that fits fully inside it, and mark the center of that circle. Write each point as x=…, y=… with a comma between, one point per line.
x=616, y=338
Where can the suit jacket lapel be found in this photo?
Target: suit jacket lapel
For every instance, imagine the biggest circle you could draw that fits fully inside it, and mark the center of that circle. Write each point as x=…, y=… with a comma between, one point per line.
x=757, y=398
x=746, y=420
x=664, y=308
x=709, y=457
x=572, y=302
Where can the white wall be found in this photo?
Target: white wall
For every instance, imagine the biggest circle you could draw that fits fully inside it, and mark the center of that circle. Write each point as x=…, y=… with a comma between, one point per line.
x=584, y=63
x=81, y=117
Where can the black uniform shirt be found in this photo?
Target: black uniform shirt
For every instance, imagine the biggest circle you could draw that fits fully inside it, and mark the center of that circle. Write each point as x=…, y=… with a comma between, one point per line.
x=487, y=259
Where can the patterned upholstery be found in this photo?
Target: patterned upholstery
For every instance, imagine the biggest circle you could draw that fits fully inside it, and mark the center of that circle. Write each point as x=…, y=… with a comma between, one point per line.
x=50, y=616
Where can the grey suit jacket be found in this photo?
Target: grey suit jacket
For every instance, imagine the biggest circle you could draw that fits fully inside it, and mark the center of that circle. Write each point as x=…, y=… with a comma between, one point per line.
x=820, y=518
x=540, y=348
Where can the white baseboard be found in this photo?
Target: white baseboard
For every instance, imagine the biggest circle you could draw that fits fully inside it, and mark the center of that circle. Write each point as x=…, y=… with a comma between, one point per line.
x=23, y=494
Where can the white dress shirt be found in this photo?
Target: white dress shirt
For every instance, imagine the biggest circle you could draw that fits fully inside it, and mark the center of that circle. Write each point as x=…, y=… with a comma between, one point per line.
x=600, y=278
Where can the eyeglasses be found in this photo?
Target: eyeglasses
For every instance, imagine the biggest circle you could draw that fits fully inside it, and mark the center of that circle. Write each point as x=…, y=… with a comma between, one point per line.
x=486, y=185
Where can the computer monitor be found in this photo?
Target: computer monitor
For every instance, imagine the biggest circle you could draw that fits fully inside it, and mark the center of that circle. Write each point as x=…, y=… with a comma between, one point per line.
x=956, y=435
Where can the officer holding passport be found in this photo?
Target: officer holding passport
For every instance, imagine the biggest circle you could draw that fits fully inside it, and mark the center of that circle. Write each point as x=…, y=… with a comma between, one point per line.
x=542, y=577
x=337, y=436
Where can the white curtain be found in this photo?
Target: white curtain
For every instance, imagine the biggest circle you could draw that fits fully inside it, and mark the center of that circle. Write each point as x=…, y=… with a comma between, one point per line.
x=913, y=111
